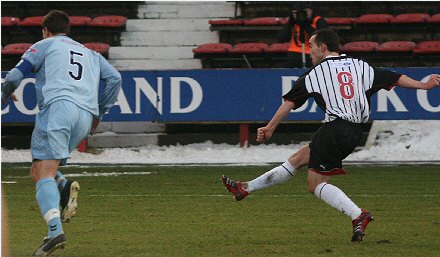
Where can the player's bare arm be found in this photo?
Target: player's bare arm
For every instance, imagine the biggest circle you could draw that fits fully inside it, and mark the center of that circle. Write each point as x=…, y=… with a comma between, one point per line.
x=407, y=82
x=265, y=133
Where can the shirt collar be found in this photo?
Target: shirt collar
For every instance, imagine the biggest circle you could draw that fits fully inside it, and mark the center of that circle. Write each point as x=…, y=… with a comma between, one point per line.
x=331, y=56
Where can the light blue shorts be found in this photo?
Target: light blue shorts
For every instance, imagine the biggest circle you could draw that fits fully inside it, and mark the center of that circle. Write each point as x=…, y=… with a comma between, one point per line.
x=59, y=128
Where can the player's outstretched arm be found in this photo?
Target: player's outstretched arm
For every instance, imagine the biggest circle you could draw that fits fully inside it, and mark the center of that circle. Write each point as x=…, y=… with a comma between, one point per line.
x=407, y=82
x=265, y=133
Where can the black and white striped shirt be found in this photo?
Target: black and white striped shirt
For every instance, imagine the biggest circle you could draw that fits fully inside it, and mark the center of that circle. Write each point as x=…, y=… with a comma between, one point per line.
x=342, y=87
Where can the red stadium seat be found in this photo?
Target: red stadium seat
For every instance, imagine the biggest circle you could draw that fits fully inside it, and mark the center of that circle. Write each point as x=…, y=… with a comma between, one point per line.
x=101, y=48
x=339, y=21
x=411, y=18
x=360, y=46
x=79, y=20
x=14, y=49
x=112, y=21
x=278, y=48
x=212, y=48
x=427, y=47
x=434, y=18
x=396, y=46
x=9, y=21
x=248, y=48
x=263, y=21
x=373, y=19
x=31, y=21
x=226, y=22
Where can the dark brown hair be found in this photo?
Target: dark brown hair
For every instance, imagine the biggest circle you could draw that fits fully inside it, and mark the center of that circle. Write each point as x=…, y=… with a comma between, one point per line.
x=328, y=37
x=57, y=22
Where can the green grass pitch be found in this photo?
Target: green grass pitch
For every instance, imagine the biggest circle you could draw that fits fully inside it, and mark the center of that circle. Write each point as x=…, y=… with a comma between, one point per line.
x=185, y=211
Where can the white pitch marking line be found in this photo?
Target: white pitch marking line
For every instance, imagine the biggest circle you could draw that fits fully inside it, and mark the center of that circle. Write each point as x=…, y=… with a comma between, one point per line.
x=93, y=174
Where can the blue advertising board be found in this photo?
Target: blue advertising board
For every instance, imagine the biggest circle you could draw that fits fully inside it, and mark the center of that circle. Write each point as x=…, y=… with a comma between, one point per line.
x=240, y=95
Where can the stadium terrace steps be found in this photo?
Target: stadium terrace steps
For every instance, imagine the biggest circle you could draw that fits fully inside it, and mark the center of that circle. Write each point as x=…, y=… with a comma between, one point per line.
x=156, y=64
x=166, y=33
x=151, y=52
x=174, y=10
x=168, y=38
x=171, y=24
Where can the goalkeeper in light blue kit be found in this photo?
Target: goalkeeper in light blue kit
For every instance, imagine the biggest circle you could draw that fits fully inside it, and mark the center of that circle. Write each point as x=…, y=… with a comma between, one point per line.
x=67, y=83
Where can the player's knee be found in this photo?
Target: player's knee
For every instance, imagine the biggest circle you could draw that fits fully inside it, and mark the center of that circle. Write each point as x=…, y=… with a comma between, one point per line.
x=43, y=168
x=314, y=179
x=34, y=173
x=300, y=158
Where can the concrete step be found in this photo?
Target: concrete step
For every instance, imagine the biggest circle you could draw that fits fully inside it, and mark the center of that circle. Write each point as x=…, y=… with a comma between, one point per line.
x=132, y=127
x=180, y=64
x=168, y=38
x=176, y=10
x=151, y=52
x=111, y=139
x=167, y=24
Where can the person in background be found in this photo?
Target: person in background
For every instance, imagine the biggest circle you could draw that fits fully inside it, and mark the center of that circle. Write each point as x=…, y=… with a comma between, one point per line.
x=67, y=83
x=300, y=25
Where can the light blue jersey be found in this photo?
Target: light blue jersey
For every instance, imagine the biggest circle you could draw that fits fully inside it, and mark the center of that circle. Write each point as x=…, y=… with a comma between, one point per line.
x=67, y=85
x=67, y=70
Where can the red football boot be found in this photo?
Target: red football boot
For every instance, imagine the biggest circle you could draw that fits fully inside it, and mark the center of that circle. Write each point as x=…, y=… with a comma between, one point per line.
x=235, y=187
x=360, y=224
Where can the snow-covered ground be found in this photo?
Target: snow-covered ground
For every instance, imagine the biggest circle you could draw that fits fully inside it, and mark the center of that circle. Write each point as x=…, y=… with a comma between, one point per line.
x=397, y=142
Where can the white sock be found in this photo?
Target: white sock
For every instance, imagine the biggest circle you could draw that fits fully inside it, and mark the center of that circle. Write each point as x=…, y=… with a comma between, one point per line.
x=273, y=177
x=337, y=199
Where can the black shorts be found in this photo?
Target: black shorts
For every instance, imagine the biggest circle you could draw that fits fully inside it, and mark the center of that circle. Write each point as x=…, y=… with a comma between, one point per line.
x=332, y=143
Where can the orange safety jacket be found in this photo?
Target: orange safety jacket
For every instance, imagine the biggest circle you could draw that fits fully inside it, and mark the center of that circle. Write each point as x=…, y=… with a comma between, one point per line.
x=296, y=46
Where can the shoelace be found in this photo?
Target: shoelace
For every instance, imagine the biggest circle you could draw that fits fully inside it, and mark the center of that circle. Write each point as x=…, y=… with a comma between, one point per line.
x=358, y=227
x=230, y=182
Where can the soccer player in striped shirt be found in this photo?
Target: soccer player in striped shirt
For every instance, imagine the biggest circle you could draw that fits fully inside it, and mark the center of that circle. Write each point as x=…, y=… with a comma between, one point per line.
x=342, y=87
x=67, y=83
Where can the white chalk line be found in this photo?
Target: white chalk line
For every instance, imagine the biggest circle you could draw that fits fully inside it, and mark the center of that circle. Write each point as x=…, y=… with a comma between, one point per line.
x=96, y=174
